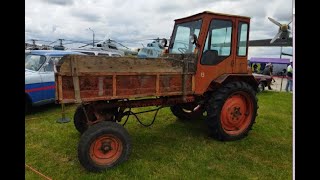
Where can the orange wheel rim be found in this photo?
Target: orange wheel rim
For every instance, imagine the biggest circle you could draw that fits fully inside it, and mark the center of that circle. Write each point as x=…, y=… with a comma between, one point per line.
x=106, y=149
x=236, y=113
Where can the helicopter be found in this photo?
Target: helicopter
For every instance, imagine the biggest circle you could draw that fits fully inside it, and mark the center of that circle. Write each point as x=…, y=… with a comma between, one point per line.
x=153, y=49
x=36, y=46
x=113, y=46
x=283, y=32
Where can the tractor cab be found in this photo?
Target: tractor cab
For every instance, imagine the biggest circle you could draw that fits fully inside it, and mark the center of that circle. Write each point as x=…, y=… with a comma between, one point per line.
x=220, y=42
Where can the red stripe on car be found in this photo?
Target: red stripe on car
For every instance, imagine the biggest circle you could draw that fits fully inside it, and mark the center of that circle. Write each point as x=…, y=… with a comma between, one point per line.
x=40, y=89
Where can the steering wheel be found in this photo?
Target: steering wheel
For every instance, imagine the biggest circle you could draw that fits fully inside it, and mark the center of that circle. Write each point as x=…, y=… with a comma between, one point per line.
x=183, y=50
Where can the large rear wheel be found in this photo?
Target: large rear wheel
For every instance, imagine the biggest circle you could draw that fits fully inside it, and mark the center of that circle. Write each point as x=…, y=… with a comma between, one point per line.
x=103, y=146
x=232, y=110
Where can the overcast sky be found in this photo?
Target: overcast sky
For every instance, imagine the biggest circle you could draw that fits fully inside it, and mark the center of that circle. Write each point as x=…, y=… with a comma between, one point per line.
x=132, y=22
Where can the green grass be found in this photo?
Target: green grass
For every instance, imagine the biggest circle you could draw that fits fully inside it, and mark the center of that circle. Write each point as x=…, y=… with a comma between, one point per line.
x=169, y=149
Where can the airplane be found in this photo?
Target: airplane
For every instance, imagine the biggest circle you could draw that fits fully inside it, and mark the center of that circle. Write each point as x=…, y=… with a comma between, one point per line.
x=283, y=32
x=153, y=49
x=281, y=39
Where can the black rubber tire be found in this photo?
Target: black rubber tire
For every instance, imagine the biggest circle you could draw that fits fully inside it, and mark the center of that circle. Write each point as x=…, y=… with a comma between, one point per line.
x=179, y=111
x=96, y=131
x=216, y=104
x=80, y=120
x=261, y=87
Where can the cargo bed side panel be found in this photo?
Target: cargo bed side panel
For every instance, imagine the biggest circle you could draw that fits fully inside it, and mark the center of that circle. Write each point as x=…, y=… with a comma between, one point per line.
x=91, y=78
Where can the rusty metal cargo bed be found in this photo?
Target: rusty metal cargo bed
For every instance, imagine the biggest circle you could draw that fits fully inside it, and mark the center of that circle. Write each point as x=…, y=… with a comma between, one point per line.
x=82, y=78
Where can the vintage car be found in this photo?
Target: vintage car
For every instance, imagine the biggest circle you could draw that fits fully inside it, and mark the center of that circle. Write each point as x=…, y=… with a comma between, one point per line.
x=39, y=76
x=263, y=80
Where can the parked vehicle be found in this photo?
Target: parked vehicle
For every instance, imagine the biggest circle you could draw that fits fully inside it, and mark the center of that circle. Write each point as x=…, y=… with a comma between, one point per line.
x=39, y=76
x=263, y=80
x=26, y=53
x=201, y=72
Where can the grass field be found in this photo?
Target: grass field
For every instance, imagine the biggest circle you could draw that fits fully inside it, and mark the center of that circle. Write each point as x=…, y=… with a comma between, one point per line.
x=170, y=148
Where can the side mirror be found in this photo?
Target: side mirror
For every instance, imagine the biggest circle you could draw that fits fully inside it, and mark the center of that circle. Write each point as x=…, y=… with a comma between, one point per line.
x=163, y=42
x=194, y=40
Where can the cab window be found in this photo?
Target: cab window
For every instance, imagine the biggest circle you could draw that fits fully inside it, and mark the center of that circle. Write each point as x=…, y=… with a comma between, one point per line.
x=242, y=39
x=181, y=43
x=218, y=42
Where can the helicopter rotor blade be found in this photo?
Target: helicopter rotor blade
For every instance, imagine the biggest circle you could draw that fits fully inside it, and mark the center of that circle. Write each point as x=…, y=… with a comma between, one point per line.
x=52, y=42
x=122, y=45
x=85, y=45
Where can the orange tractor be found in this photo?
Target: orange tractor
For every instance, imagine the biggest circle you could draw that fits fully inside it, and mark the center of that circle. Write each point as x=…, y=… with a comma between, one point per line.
x=204, y=70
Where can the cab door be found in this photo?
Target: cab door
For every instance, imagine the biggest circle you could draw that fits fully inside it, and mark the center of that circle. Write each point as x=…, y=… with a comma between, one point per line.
x=242, y=37
x=217, y=56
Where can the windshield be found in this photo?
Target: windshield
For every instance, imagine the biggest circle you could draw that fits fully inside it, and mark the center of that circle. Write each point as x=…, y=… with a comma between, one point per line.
x=34, y=62
x=181, y=43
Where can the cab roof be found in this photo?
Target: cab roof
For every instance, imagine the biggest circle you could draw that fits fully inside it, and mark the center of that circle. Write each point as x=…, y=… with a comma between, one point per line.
x=212, y=13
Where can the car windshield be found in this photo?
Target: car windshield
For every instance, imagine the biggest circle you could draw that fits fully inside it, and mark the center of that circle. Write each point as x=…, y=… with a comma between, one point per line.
x=181, y=43
x=34, y=62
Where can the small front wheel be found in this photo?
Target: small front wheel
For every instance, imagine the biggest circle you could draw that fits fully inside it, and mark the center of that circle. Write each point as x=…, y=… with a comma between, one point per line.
x=103, y=146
